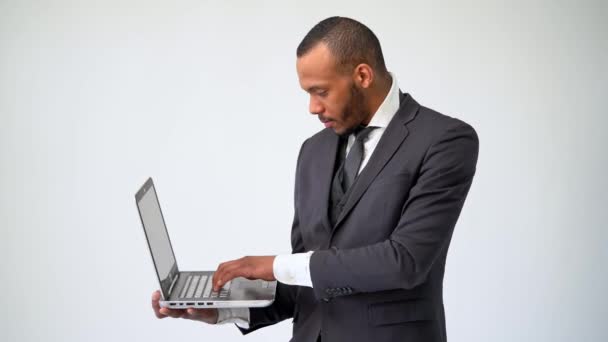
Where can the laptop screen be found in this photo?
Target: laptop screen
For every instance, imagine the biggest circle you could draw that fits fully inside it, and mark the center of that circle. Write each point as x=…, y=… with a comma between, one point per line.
x=156, y=233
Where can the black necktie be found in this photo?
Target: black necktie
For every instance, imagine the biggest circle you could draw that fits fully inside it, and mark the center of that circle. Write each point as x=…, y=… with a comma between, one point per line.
x=354, y=158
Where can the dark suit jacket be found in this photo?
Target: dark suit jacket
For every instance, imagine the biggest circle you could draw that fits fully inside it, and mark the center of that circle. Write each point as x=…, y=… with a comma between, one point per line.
x=377, y=274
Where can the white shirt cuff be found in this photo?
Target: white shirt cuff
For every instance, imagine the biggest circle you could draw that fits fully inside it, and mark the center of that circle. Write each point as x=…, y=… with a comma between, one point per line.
x=293, y=269
x=239, y=316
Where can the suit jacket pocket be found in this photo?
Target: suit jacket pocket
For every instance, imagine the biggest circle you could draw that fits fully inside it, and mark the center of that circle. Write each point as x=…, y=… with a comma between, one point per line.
x=401, y=311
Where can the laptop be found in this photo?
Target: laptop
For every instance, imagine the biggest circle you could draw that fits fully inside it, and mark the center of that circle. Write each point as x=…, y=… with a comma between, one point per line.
x=181, y=289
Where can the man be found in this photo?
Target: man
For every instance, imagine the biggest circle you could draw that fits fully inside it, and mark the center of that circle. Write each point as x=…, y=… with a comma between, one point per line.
x=377, y=195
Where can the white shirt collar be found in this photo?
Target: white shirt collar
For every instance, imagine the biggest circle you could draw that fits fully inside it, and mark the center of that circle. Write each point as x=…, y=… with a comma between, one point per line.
x=389, y=106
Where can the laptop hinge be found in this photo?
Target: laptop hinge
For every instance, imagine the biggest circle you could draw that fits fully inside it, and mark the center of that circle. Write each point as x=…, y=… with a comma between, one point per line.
x=172, y=284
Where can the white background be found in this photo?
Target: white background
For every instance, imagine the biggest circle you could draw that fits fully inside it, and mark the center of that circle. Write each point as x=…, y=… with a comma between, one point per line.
x=95, y=96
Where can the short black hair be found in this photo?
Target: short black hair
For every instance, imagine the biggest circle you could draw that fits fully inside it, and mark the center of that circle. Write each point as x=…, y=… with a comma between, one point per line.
x=349, y=41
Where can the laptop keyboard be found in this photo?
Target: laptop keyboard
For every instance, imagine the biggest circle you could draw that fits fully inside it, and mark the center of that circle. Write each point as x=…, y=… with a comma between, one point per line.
x=201, y=286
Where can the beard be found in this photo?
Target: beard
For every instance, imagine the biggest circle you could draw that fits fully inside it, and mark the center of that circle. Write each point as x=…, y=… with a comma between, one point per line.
x=354, y=111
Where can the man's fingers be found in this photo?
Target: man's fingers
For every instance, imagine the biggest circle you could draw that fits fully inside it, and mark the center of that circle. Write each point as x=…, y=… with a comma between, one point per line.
x=237, y=271
x=221, y=269
x=224, y=276
x=155, y=305
x=158, y=314
x=227, y=264
x=172, y=313
x=197, y=313
x=205, y=315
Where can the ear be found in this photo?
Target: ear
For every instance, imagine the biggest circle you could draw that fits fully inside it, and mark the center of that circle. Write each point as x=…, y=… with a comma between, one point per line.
x=363, y=75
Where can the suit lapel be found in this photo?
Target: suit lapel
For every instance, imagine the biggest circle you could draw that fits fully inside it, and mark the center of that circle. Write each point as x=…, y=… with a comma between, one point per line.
x=394, y=135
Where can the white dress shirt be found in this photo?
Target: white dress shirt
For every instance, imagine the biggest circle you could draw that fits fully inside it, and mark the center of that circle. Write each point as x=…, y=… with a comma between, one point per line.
x=294, y=269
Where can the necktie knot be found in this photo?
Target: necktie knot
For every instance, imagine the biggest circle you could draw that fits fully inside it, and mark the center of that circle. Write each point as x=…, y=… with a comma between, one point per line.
x=354, y=157
x=362, y=132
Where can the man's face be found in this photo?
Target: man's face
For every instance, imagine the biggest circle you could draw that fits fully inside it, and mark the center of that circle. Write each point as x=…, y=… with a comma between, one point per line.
x=334, y=97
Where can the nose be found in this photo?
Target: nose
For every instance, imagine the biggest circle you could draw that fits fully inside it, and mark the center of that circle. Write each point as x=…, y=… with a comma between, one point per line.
x=315, y=107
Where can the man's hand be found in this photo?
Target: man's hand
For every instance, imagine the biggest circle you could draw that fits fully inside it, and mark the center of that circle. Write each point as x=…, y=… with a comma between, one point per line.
x=250, y=267
x=202, y=315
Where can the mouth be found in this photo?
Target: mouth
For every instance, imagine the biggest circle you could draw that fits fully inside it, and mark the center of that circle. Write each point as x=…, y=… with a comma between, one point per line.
x=326, y=122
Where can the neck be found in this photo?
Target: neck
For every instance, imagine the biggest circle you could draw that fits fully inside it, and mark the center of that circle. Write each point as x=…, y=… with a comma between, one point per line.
x=376, y=96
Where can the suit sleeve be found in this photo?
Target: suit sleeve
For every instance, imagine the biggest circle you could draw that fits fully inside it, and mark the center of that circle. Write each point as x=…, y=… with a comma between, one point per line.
x=284, y=304
x=425, y=227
